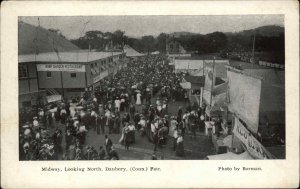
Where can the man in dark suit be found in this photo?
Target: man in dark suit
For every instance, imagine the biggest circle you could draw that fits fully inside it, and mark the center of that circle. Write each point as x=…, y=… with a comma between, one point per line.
x=102, y=121
x=108, y=144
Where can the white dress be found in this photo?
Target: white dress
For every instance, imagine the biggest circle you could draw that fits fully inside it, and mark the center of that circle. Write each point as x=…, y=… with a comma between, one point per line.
x=138, y=99
x=117, y=104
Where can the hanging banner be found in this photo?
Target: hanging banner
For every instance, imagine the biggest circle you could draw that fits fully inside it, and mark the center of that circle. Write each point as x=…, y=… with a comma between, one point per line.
x=60, y=67
x=254, y=147
x=54, y=98
x=209, y=77
x=208, y=84
x=244, y=97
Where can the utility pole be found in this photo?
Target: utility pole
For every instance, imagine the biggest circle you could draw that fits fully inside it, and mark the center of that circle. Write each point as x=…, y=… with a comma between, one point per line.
x=253, y=48
x=203, y=75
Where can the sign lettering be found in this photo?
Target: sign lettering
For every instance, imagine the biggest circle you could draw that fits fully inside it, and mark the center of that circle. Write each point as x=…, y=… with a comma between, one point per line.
x=61, y=67
x=252, y=144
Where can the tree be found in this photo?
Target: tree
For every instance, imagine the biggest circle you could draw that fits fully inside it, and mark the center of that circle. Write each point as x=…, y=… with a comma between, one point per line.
x=148, y=43
x=161, y=41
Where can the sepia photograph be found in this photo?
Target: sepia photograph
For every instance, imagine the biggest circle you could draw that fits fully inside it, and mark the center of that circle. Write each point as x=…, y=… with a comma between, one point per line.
x=157, y=87
x=92, y=92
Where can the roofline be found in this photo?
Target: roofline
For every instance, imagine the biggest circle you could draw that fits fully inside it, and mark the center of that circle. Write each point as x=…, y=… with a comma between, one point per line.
x=47, y=62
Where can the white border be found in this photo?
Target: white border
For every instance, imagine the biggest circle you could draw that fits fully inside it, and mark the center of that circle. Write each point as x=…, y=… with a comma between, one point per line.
x=276, y=173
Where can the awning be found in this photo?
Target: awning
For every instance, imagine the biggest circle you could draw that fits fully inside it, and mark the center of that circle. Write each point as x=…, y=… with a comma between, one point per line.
x=231, y=156
x=186, y=85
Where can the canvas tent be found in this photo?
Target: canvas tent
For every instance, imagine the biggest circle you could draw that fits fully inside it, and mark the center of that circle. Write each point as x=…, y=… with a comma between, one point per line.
x=130, y=52
x=155, y=53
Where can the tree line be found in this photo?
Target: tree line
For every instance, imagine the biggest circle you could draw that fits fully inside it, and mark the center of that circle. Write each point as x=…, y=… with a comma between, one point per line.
x=215, y=42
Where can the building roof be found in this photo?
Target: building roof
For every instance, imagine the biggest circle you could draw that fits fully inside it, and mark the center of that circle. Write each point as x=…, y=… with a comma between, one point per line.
x=187, y=64
x=155, y=52
x=80, y=56
x=245, y=65
x=195, y=79
x=272, y=76
x=202, y=57
x=130, y=52
x=272, y=104
x=32, y=39
x=219, y=68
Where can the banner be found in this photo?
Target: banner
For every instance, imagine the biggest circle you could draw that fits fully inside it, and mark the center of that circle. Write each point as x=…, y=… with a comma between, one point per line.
x=61, y=67
x=254, y=147
x=208, y=84
x=53, y=98
x=244, y=97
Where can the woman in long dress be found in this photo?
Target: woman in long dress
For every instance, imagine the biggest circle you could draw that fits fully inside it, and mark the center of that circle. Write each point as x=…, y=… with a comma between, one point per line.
x=124, y=131
x=179, y=146
x=138, y=98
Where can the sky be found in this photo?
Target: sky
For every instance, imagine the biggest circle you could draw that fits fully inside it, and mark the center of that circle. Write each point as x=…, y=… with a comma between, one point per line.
x=137, y=26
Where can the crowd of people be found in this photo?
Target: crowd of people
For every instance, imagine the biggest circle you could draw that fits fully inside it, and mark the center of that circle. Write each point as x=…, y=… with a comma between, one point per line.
x=123, y=104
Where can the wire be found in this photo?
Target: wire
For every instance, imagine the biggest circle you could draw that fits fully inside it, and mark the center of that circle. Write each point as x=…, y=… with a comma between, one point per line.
x=85, y=24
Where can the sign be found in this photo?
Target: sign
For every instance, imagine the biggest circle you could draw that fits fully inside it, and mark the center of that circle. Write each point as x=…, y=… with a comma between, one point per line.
x=53, y=98
x=244, y=97
x=254, y=147
x=61, y=67
x=210, y=78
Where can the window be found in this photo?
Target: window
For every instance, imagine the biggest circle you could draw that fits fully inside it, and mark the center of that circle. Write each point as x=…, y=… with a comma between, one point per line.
x=73, y=74
x=22, y=70
x=49, y=74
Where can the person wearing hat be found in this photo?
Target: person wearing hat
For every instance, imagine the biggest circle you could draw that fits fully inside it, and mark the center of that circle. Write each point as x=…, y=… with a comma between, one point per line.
x=63, y=116
x=117, y=104
x=57, y=139
x=101, y=109
x=113, y=155
x=101, y=153
x=108, y=144
x=180, y=146
x=117, y=124
x=101, y=123
x=110, y=123
x=35, y=124
x=69, y=139
x=138, y=98
x=93, y=119
x=41, y=114
x=131, y=111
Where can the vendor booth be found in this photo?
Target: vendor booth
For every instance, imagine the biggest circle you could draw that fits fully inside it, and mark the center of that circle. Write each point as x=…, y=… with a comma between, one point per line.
x=259, y=118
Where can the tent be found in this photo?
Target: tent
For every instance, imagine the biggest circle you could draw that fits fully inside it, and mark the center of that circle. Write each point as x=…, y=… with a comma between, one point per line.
x=219, y=99
x=130, y=52
x=155, y=52
x=186, y=85
x=231, y=156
